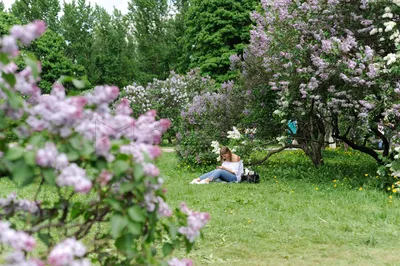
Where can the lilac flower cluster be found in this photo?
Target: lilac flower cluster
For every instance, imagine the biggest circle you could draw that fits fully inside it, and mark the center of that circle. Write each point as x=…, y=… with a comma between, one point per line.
x=26, y=34
x=74, y=176
x=178, y=262
x=17, y=258
x=195, y=221
x=64, y=253
x=12, y=204
x=16, y=239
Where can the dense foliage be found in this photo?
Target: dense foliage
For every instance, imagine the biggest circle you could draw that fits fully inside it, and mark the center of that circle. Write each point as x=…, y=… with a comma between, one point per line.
x=214, y=31
x=74, y=145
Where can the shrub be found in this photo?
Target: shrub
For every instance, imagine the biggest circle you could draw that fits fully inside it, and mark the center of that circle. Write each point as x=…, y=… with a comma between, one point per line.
x=168, y=96
x=208, y=118
x=76, y=146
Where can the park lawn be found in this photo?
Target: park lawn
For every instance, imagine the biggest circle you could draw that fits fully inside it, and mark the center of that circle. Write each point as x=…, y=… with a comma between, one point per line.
x=295, y=216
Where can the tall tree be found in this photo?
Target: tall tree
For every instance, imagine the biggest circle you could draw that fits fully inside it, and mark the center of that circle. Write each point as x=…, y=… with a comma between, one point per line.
x=216, y=29
x=77, y=26
x=2, y=7
x=29, y=10
x=113, y=58
x=149, y=23
x=176, y=29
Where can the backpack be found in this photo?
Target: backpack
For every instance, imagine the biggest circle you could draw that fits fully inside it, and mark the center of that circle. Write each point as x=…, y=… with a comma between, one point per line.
x=250, y=178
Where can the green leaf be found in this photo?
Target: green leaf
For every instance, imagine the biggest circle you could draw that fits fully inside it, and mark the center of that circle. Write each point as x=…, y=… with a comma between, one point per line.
x=138, y=171
x=88, y=148
x=22, y=173
x=167, y=249
x=14, y=100
x=76, y=142
x=31, y=61
x=49, y=175
x=173, y=232
x=118, y=224
x=4, y=58
x=125, y=187
x=135, y=228
x=10, y=78
x=115, y=204
x=72, y=155
x=63, y=79
x=15, y=153
x=124, y=243
x=45, y=238
x=30, y=157
x=79, y=84
x=35, y=140
x=75, y=210
x=120, y=167
x=136, y=214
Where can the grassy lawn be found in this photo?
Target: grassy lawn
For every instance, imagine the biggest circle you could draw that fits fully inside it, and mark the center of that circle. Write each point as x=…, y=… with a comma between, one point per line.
x=297, y=215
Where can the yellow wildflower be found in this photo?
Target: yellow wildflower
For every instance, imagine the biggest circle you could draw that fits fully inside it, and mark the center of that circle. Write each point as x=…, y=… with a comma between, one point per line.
x=334, y=181
x=394, y=190
x=360, y=188
x=366, y=174
x=334, y=185
x=390, y=197
x=316, y=188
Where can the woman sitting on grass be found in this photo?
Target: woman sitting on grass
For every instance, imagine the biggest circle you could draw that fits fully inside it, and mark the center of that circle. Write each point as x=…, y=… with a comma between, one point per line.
x=231, y=169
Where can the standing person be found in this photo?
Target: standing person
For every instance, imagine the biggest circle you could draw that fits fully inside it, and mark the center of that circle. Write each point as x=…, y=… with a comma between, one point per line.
x=231, y=169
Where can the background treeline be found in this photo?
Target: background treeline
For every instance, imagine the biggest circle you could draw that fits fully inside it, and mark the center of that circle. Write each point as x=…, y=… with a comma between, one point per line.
x=153, y=38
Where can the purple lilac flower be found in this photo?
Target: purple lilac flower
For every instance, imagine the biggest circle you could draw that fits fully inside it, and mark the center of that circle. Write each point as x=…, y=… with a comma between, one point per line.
x=195, y=221
x=64, y=253
x=178, y=262
x=75, y=176
x=16, y=239
x=163, y=209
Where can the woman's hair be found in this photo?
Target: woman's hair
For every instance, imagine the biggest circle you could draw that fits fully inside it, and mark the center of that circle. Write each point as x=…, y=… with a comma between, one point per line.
x=225, y=150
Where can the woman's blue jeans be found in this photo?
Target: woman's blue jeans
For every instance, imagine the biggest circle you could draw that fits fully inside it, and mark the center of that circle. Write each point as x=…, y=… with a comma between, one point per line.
x=221, y=174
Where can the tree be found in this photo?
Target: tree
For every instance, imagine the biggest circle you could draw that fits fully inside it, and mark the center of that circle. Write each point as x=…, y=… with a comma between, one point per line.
x=77, y=26
x=30, y=10
x=50, y=50
x=149, y=18
x=324, y=67
x=215, y=30
x=113, y=58
x=7, y=20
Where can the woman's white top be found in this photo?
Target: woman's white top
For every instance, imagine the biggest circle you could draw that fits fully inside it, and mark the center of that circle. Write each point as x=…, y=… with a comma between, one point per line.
x=236, y=167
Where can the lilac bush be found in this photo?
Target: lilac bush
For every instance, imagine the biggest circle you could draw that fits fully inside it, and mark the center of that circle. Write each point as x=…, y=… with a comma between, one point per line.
x=76, y=145
x=208, y=118
x=168, y=97
x=328, y=63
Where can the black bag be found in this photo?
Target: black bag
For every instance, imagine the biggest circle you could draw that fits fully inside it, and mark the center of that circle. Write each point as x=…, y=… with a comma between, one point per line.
x=254, y=178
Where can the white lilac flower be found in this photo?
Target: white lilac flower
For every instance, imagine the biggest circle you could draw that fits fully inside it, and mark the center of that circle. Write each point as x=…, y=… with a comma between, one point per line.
x=234, y=134
x=215, y=146
x=389, y=25
x=390, y=58
x=373, y=31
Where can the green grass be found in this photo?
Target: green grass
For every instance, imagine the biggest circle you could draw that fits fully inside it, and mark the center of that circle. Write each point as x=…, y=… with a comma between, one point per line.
x=285, y=220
